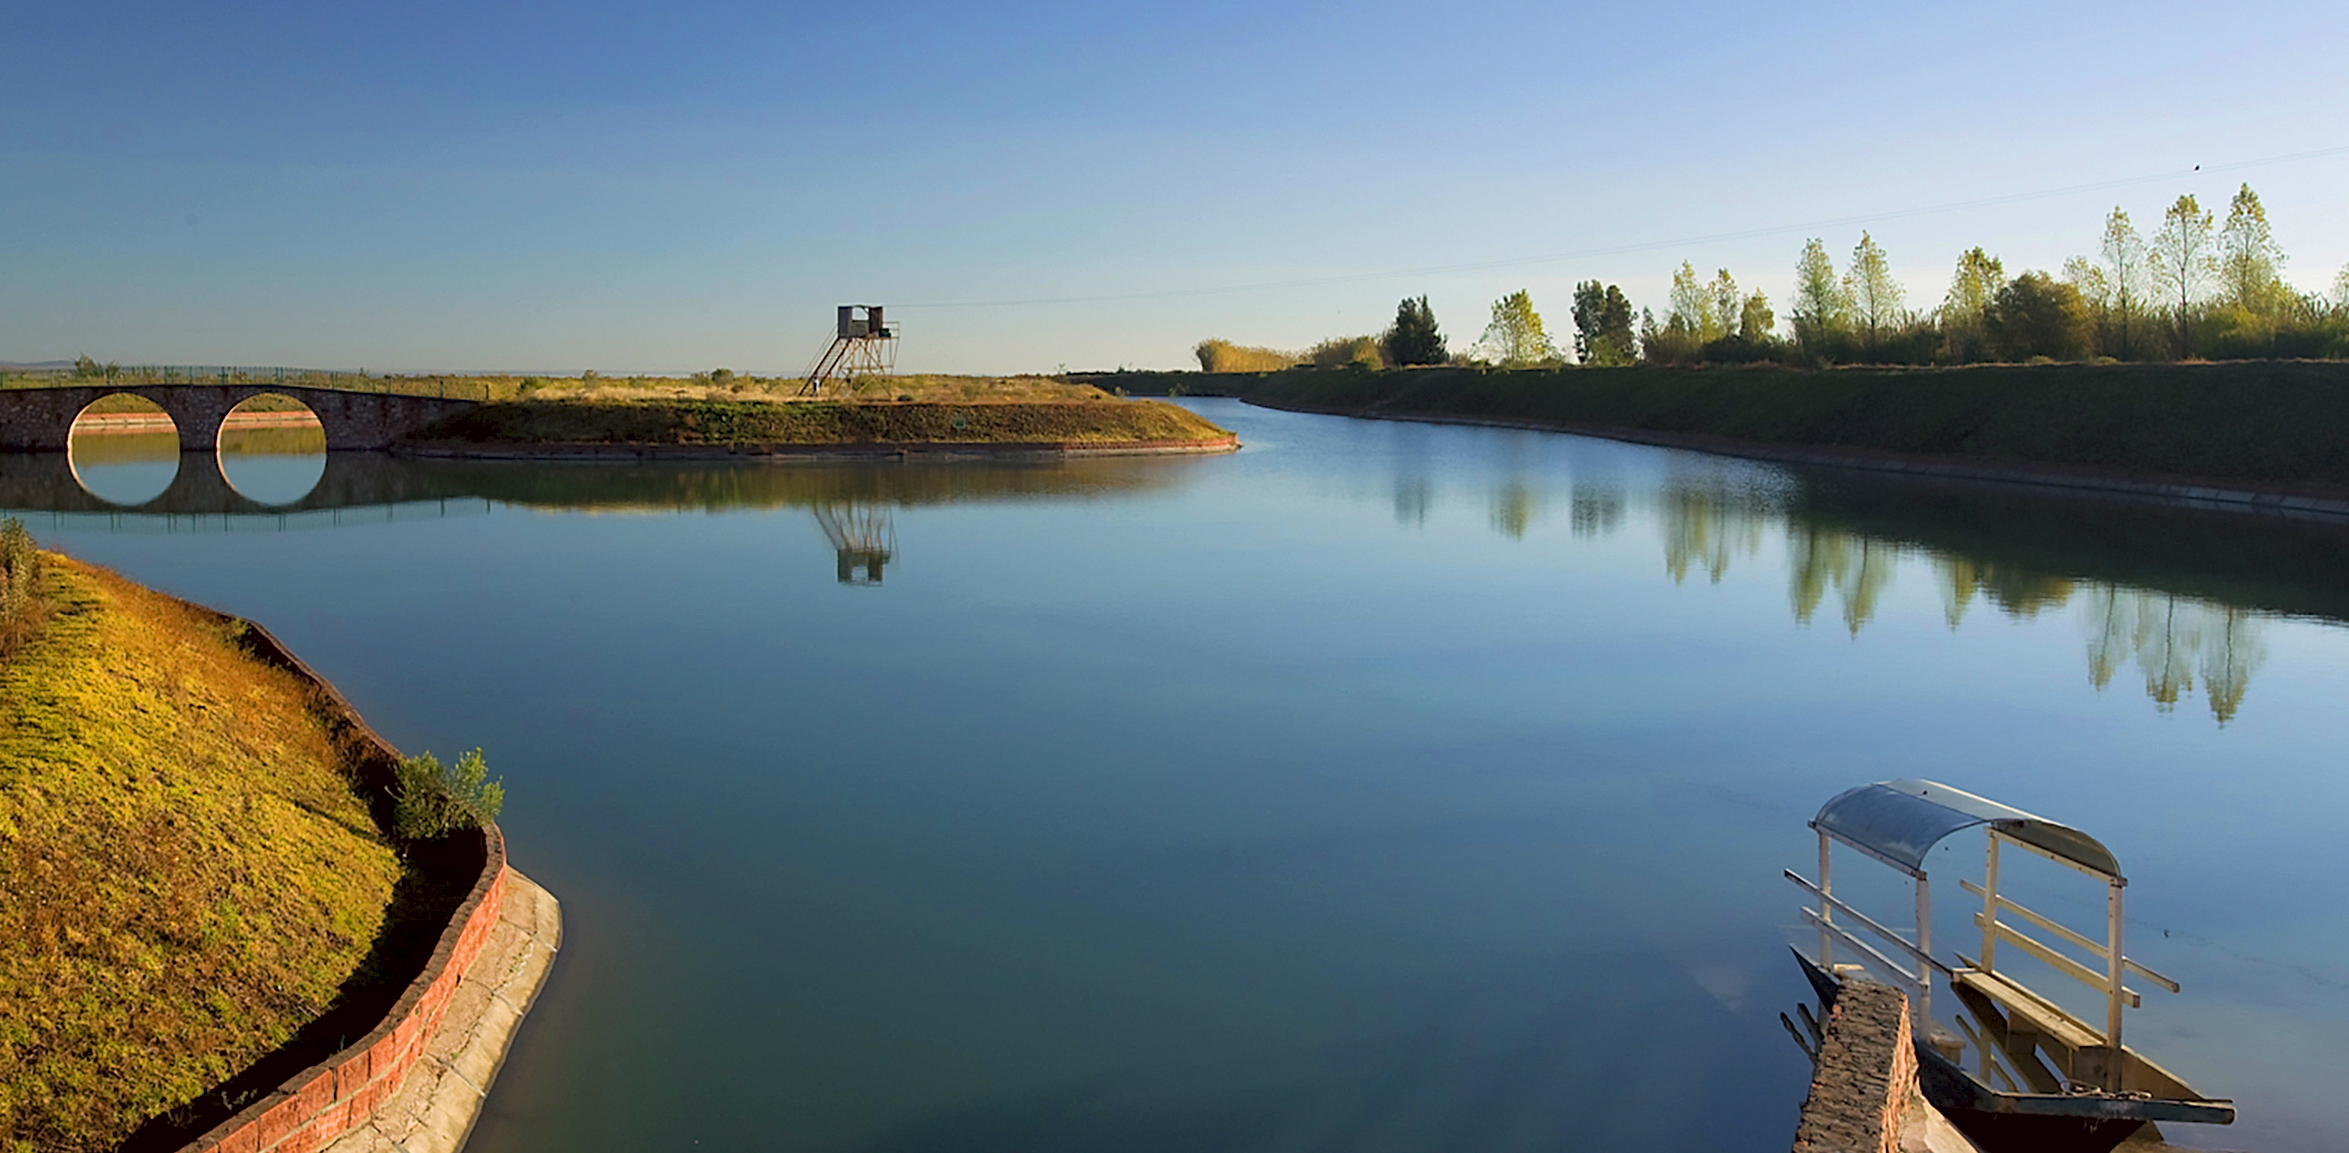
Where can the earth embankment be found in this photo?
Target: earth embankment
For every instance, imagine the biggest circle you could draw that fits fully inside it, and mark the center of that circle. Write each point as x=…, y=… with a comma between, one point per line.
x=190, y=875
x=2278, y=426
x=769, y=425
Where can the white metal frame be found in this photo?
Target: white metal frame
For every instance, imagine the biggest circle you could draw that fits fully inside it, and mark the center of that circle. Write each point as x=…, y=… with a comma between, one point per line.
x=2106, y=979
x=2114, y=964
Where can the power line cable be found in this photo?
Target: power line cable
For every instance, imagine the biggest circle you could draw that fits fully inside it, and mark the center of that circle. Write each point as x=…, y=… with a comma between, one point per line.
x=1645, y=246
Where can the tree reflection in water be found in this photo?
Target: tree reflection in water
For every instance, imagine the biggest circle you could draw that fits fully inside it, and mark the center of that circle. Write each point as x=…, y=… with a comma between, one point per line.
x=2171, y=639
x=1596, y=510
x=2175, y=640
x=1515, y=505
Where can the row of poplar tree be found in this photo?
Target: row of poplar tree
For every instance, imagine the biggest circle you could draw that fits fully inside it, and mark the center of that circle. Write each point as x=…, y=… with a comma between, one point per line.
x=2194, y=288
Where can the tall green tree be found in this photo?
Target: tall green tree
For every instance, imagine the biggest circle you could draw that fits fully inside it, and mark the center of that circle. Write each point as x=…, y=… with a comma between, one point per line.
x=1875, y=296
x=1413, y=338
x=1821, y=311
x=1692, y=305
x=2128, y=280
x=1972, y=287
x=1603, y=335
x=2038, y=315
x=1515, y=337
x=2341, y=289
x=1728, y=305
x=2184, y=260
x=1754, y=318
x=2250, y=261
x=2095, y=288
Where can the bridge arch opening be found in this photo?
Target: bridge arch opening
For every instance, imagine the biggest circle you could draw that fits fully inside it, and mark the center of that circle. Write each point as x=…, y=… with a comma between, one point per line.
x=272, y=449
x=124, y=449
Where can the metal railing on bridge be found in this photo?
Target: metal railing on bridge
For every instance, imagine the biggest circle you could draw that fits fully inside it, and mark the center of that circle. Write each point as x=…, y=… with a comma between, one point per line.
x=459, y=388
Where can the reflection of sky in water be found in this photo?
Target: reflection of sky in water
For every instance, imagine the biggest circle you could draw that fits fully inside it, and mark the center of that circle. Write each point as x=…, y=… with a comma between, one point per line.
x=273, y=466
x=127, y=469
x=1382, y=787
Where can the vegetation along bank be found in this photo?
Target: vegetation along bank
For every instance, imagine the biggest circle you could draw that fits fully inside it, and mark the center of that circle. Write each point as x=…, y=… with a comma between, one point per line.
x=2276, y=425
x=1102, y=424
x=2193, y=289
x=194, y=882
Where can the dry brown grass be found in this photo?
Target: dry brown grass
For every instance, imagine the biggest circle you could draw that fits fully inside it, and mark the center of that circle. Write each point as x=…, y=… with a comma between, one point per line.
x=1218, y=355
x=186, y=878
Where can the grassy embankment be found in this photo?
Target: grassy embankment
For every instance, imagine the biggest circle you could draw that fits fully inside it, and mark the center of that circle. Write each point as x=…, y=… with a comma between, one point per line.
x=2264, y=422
x=187, y=878
x=933, y=388
x=1099, y=420
x=713, y=385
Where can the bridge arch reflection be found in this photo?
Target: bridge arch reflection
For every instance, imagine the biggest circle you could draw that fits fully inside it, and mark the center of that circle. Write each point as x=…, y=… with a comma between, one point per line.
x=852, y=504
x=272, y=449
x=122, y=449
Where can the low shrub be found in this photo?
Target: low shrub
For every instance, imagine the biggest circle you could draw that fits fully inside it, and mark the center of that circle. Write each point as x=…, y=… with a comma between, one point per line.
x=432, y=800
x=21, y=603
x=1342, y=351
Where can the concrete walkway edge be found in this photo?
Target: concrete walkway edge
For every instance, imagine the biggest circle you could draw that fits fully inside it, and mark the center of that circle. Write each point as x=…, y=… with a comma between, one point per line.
x=436, y=1107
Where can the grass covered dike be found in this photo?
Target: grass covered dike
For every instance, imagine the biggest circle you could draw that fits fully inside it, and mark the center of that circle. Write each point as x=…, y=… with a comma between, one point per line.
x=2268, y=423
x=196, y=893
x=716, y=421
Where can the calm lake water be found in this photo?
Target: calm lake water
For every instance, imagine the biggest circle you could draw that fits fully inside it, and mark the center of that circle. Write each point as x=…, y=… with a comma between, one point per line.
x=1381, y=787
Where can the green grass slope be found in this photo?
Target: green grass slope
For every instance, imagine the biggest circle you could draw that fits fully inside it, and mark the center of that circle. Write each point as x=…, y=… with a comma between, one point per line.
x=186, y=878
x=2275, y=422
x=688, y=421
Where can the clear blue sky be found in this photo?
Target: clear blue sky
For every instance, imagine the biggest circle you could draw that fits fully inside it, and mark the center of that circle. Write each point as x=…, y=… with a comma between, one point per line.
x=690, y=185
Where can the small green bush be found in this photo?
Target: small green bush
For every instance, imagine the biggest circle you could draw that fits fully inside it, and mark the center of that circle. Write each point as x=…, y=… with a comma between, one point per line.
x=1347, y=351
x=432, y=800
x=20, y=575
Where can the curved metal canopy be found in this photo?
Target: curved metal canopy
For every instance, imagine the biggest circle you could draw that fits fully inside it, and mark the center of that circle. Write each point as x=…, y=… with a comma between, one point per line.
x=1901, y=821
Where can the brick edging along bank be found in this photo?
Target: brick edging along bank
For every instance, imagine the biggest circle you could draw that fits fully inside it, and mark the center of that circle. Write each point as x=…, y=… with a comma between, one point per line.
x=313, y=1107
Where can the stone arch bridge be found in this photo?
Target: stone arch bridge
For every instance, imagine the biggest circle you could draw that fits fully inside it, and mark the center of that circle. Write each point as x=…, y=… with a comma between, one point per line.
x=40, y=419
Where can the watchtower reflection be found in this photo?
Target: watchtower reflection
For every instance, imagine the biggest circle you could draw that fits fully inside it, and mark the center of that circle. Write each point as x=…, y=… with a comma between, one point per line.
x=863, y=536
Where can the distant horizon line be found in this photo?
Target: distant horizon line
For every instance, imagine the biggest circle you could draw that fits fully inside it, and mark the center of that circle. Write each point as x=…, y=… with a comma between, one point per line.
x=559, y=373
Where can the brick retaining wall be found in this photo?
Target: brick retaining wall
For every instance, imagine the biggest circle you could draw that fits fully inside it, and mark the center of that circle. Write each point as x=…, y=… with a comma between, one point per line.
x=310, y=1109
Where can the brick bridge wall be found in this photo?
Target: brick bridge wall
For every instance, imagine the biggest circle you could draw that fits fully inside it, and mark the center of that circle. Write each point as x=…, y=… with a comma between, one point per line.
x=41, y=419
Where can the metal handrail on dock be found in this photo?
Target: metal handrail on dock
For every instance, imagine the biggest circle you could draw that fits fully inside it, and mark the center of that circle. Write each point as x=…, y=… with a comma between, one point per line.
x=1827, y=923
